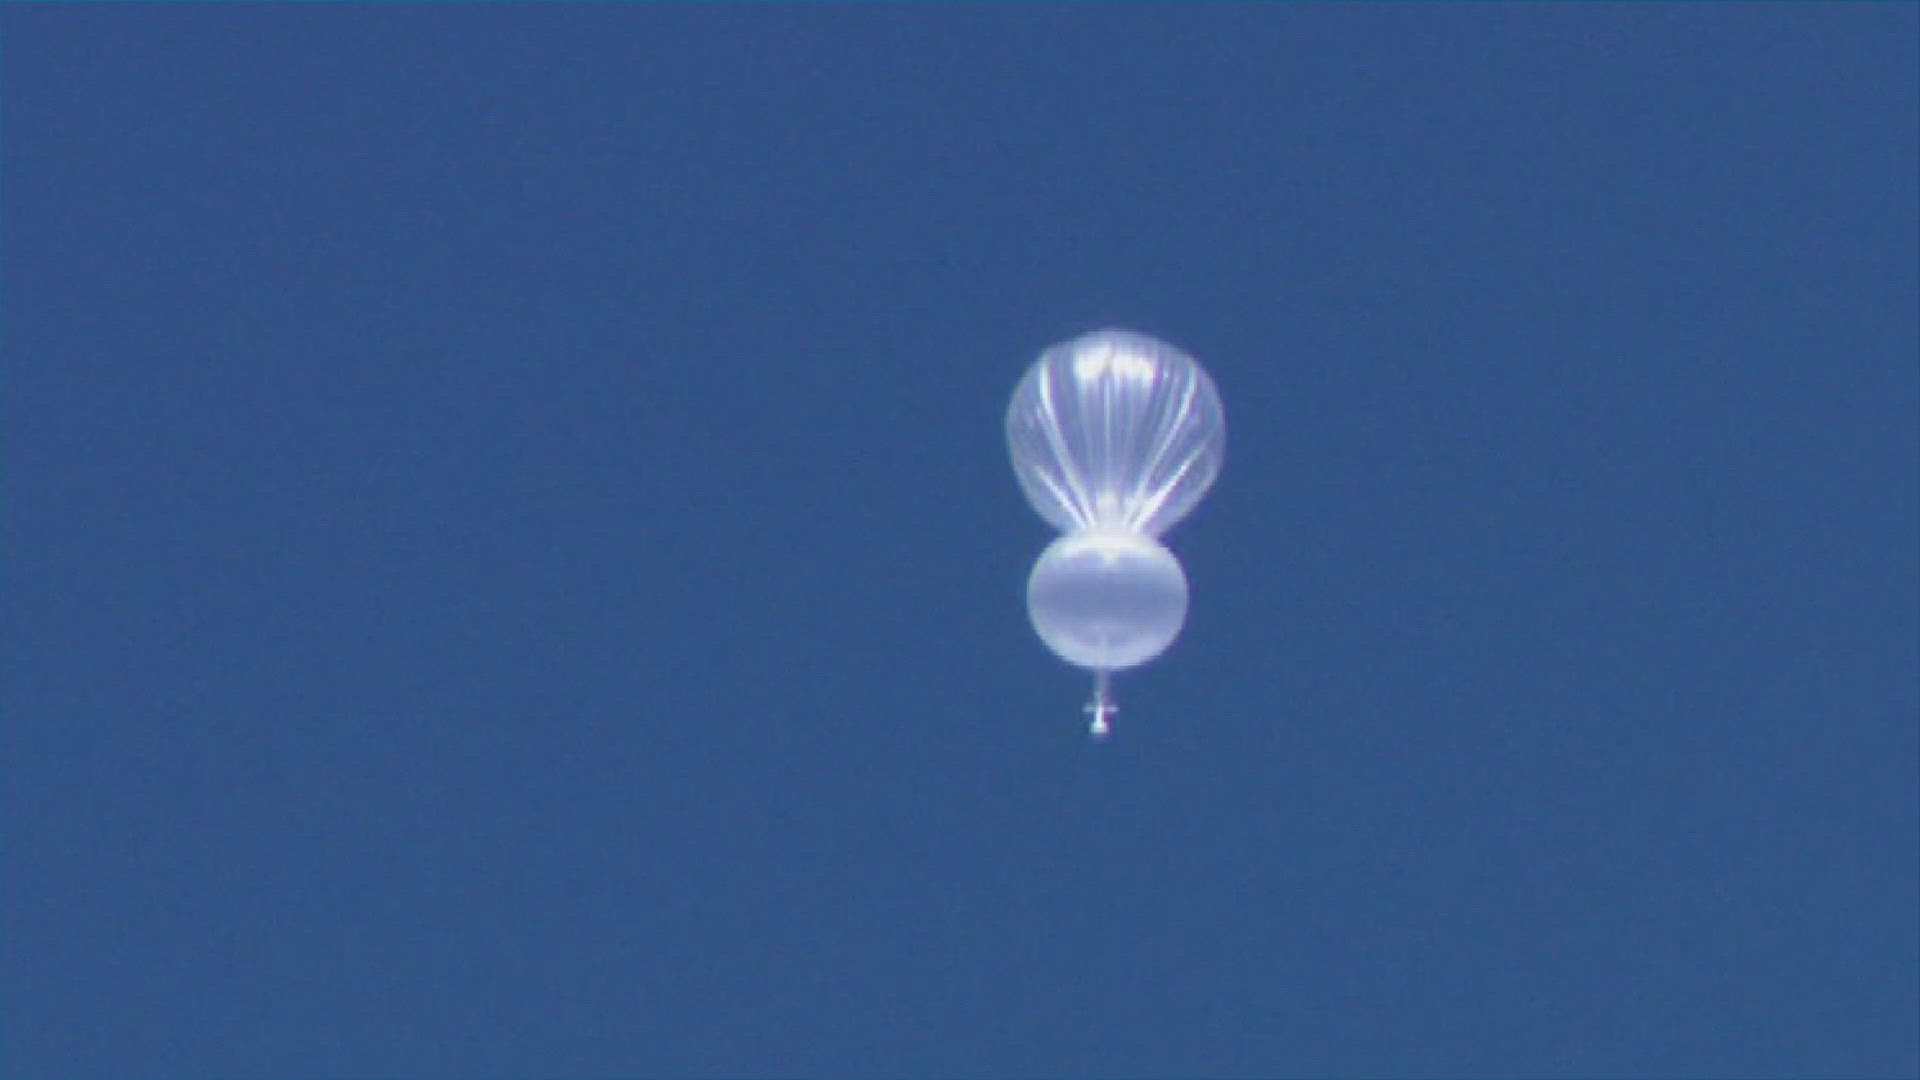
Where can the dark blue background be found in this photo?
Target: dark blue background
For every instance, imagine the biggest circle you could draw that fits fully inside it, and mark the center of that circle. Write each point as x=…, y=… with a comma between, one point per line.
x=511, y=567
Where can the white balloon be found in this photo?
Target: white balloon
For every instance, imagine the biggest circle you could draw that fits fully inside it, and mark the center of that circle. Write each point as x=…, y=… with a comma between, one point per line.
x=1115, y=436
x=1107, y=601
x=1115, y=431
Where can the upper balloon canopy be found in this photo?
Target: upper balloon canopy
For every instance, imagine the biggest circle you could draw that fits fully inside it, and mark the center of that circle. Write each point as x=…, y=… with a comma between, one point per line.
x=1115, y=432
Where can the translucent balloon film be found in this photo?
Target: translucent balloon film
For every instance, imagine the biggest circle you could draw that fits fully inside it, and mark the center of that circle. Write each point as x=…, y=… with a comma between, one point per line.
x=1107, y=601
x=1115, y=432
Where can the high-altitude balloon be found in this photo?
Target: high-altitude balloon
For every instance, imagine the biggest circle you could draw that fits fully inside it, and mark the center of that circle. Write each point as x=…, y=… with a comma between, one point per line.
x=1115, y=436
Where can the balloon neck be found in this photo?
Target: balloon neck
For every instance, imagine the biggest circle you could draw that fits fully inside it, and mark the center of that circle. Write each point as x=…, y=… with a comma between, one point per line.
x=1116, y=529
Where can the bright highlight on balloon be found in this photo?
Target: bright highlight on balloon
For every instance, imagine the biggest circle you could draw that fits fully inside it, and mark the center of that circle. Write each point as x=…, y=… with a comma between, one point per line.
x=1115, y=437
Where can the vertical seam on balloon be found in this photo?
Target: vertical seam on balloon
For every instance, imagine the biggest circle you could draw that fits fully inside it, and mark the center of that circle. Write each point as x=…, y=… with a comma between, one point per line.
x=1165, y=488
x=1082, y=515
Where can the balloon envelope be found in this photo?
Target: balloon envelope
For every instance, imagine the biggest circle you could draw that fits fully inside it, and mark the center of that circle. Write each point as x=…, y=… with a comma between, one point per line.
x=1107, y=601
x=1115, y=432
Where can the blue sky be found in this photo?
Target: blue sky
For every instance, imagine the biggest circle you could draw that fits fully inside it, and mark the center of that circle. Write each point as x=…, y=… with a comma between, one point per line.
x=512, y=568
